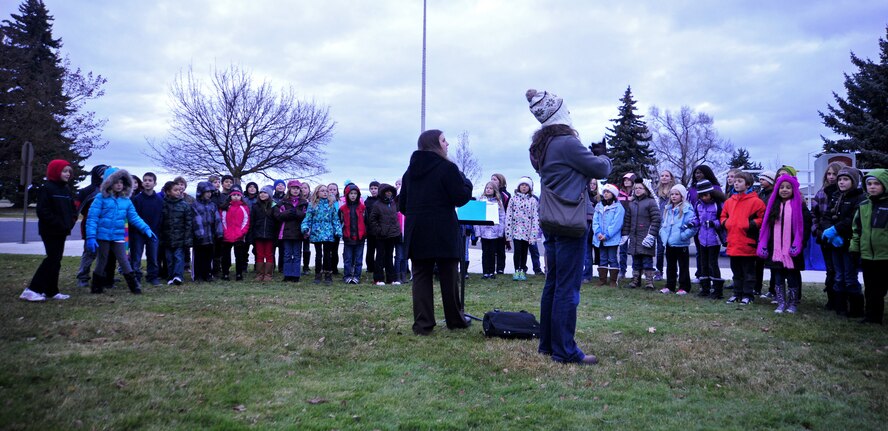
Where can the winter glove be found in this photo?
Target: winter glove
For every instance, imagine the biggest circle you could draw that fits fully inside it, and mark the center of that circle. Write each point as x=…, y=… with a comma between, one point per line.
x=829, y=234
x=837, y=241
x=648, y=241
x=793, y=251
x=624, y=239
x=598, y=149
x=689, y=226
x=150, y=234
x=92, y=245
x=752, y=225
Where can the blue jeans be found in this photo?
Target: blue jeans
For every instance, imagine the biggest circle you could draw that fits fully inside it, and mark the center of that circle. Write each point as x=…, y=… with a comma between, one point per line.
x=589, y=256
x=292, y=250
x=400, y=258
x=561, y=296
x=352, y=259
x=138, y=241
x=535, y=258
x=175, y=258
x=642, y=261
x=846, y=272
x=608, y=257
x=624, y=257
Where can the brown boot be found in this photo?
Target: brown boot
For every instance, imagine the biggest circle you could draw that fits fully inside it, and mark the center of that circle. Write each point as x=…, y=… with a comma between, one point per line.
x=269, y=271
x=602, y=276
x=614, y=273
x=636, y=280
x=649, y=279
x=260, y=271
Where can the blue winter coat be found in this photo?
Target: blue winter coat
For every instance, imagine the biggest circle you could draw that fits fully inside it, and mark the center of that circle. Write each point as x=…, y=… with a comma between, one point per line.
x=708, y=236
x=607, y=220
x=677, y=228
x=321, y=223
x=207, y=221
x=107, y=217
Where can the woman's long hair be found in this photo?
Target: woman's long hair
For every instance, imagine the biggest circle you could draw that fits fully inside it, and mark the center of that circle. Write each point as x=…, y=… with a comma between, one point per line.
x=835, y=167
x=541, y=138
x=428, y=141
x=663, y=190
x=707, y=174
x=496, y=193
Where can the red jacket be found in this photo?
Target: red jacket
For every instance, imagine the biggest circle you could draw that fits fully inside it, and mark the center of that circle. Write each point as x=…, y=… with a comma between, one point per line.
x=345, y=216
x=235, y=222
x=742, y=217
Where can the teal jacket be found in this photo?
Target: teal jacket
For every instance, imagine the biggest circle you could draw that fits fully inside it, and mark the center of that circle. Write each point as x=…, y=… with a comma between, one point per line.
x=321, y=223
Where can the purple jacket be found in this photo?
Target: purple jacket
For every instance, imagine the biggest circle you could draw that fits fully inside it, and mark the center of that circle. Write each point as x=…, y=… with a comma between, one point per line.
x=708, y=236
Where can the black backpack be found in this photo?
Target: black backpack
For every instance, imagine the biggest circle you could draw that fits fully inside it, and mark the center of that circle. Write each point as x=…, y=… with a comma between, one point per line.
x=510, y=324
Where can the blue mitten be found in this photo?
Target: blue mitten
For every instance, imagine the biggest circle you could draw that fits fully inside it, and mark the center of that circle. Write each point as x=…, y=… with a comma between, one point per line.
x=837, y=241
x=92, y=245
x=829, y=234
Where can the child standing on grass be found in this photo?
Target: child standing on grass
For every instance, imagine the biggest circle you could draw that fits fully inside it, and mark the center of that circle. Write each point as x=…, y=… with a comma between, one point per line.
x=742, y=217
x=290, y=213
x=175, y=231
x=784, y=234
x=848, y=295
x=823, y=201
x=384, y=220
x=321, y=226
x=263, y=232
x=235, y=226
x=522, y=225
x=56, y=217
x=676, y=232
x=640, y=227
x=607, y=223
x=593, y=254
x=870, y=244
x=490, y=233
x=105, y=224
x=710, y=233
x=354, y=233
x=207, y=230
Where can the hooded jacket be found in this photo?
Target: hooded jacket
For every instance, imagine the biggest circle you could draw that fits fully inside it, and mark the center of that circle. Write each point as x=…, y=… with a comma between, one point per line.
x=523, y=218
x=207, y=223
x=56, y=213
x=352, y=216
x=823, y=201
x=263, y=224
x=383, y=216
x=178, y=221
x=675, y=230
x=321, y=222
x=870, y=226
x=608, y=220
x=235, y=222
x=742, y=217
x=642, y=219
x=110, y=211
x=432, y=188
x=290, y=213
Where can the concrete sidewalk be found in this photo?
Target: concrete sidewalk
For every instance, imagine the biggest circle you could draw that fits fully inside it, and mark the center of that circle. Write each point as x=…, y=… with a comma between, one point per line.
x=74, y=248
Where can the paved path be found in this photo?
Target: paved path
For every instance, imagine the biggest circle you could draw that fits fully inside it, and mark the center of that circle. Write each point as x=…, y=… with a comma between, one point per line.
x=74, y=247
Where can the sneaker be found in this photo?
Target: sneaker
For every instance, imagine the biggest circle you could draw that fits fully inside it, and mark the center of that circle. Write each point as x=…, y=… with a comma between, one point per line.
x=82, y=283
x=665, y=291
x=60, y=297
x=380, y=283
x=523, y=275
x=681, y=292
x=766, y=295
x=538, y=271
x=396, y=283
x=177, y=281
x=658, y=276
x=493, y=276
x=31, y=296
x=485, y=276
x=170, y=283
x=516, y=276
x=746, y=301
x=732, y=300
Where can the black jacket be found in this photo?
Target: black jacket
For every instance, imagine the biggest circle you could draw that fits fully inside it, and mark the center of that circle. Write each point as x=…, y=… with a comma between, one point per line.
x=841, y=214
x=263, y=224
x=177, y=223
x=383, y=217
x=432, y=188
x=290, y=216
x=56, y=213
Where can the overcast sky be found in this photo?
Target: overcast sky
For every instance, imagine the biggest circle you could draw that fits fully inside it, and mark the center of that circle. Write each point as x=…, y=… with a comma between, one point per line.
x=762, y=69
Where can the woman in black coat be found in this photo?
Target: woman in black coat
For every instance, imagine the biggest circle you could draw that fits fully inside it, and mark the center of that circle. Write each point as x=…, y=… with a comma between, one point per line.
x=431, y=189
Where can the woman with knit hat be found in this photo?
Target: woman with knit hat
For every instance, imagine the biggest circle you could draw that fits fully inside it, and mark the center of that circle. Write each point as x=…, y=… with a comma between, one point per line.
x=56, y=217
x=565, y=166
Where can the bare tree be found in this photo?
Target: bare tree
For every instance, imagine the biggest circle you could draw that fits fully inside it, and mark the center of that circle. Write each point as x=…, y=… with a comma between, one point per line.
x=240, y=128
x=465, y=160
x=686, y=139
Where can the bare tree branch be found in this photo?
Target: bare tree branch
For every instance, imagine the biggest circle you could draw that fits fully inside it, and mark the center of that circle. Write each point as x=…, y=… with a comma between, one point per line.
x=687, y=139
x=465, y=160
x=233, y=125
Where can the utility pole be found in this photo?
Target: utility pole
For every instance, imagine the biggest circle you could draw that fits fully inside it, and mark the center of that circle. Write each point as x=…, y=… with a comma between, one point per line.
x=422, y=109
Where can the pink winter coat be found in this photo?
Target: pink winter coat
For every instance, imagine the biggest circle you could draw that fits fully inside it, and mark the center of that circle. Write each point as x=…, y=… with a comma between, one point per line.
x=235, y=222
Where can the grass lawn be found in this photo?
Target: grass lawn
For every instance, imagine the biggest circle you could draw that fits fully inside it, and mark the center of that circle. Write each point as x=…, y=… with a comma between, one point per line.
x=305, y=356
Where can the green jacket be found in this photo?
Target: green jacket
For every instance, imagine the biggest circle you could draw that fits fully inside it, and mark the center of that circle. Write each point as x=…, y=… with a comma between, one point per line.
x=871, y=223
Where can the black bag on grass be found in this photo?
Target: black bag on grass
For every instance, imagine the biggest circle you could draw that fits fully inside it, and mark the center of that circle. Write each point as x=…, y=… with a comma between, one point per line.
x=510, y=324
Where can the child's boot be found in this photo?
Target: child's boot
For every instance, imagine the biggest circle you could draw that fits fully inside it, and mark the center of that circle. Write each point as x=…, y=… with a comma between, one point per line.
x=318, y=276
x=649, y=279
x=856, y=305
x=705, y=286
x=602, y=276
x=97, y=285
x=781, y=300
x=328, y=277
x=841, y=303
x=792, y=300
x=614, y=273
x=718, y=286
x=260, y=271
x=636, y=280
x=134, y=286
x=830, y=299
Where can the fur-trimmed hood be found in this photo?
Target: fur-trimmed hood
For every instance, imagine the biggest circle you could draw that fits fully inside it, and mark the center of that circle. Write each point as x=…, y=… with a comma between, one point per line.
x=112, y=175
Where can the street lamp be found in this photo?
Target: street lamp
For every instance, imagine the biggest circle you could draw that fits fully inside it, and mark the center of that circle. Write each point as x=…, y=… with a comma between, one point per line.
x=422, y=109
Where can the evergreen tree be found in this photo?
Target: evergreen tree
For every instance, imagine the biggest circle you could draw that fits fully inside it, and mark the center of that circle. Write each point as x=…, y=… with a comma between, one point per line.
x=33, y=106
x=630, y=149
x=862, y=117
x=740, y=160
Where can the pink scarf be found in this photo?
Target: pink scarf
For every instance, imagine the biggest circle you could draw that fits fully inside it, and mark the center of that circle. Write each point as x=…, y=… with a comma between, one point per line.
x=783, y=236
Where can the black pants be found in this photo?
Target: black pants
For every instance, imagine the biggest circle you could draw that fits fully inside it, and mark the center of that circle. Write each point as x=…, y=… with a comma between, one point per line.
x=218, y=249
x=519, y=254
x=423, y=294
x=830, y=268
x=203, y=261
x=743, y=268
x=371, y=253
x=46, y=278
x=334, y=257
x=323, y=256
x=875, y=274
x=760, y=277
x=306, y=255
x=241, y=251
x=677, y=265
x=385, y=264
x=488, y=256
x=708, y=258
x=789, y=278
x=500, y=254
